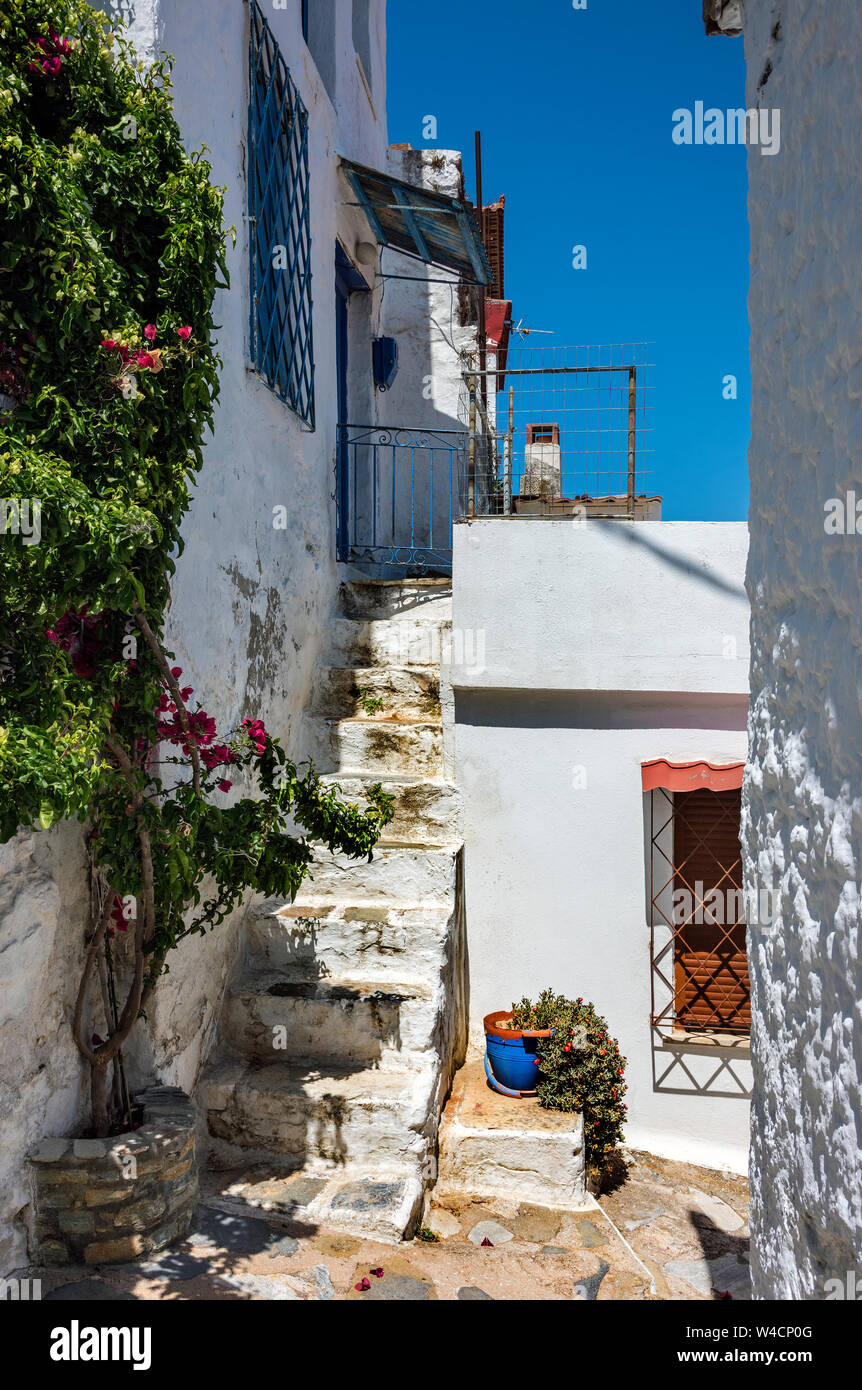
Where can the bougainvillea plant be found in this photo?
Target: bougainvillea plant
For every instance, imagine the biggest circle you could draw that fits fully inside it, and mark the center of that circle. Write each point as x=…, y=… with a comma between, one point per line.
x=111, y=251
x=580, y=1068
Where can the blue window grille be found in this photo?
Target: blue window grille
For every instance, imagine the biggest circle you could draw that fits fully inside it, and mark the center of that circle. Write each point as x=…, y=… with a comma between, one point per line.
x=280, y=233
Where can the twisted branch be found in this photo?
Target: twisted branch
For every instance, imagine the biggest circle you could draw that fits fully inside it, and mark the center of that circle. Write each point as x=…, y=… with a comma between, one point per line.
x=173, y=686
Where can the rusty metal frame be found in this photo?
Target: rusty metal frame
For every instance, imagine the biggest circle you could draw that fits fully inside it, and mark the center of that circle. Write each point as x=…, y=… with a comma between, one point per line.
x=666, y=1020
x=472, y=376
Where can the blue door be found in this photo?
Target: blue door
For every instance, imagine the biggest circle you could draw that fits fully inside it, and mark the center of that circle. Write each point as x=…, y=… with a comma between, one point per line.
x=347, y=282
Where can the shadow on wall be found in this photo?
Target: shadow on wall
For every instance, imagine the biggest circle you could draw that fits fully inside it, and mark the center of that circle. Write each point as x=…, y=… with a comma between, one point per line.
x=635, y=536
x=720, y=1071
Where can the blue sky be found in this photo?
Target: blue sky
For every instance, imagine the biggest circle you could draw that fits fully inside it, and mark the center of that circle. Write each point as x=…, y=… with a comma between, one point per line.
x=575, y=112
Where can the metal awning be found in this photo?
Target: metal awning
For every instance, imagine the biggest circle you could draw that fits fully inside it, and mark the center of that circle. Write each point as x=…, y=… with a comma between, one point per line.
x=689, y=776
x=431, y=227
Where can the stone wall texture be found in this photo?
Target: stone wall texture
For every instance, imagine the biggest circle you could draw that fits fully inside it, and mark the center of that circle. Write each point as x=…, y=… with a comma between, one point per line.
x=802, y=818
x=43, y=913
x=104, y=1201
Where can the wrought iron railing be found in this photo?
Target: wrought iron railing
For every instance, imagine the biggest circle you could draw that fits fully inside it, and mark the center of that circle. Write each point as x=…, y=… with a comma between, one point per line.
x=399, y=489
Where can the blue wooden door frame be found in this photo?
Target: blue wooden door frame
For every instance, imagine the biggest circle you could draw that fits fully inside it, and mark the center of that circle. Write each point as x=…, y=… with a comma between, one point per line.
x=347, y=282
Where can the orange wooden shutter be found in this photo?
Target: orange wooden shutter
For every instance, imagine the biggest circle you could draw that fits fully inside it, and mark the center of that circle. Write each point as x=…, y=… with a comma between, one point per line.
x=710, y=962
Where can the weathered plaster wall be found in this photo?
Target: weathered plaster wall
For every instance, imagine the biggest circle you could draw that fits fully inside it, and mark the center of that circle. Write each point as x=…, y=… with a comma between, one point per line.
x=802, y=798
x=251, y=603
x=586, y=650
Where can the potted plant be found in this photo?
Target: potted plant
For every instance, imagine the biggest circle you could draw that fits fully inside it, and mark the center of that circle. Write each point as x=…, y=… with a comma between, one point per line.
x=577, y=1065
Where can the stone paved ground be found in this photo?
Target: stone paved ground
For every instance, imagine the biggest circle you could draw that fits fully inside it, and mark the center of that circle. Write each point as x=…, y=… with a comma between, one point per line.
x=688, y=1225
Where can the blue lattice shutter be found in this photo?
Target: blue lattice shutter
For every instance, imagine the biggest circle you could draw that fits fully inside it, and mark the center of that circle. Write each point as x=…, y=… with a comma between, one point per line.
x=280, y=232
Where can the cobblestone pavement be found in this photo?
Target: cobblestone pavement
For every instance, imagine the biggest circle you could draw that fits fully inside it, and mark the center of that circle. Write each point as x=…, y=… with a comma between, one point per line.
x=687, y=1226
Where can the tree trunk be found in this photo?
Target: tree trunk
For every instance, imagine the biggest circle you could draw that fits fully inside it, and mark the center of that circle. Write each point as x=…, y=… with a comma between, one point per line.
x=99, y=1099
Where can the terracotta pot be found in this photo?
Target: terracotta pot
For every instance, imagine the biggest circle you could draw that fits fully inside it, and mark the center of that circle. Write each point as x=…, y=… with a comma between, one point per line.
x=512, y=1053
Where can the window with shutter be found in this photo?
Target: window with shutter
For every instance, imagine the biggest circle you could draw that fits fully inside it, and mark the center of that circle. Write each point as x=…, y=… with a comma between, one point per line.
x=698, y=950
x=279, y=225
x=710, y=962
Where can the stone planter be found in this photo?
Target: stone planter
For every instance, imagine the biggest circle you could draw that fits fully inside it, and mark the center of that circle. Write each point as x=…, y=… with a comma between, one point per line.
x=104, y=1201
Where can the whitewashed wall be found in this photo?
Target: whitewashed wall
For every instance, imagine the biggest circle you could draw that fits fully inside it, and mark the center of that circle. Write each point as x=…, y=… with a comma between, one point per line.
x=250, y=603
x=803, y=796
x=581, y=651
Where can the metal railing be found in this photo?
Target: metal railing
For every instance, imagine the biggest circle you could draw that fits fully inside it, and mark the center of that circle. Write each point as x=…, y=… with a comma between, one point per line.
x=552, y=425
x=399, y=489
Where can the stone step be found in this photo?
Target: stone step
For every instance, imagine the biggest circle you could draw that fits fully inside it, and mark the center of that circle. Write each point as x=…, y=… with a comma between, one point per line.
x=383, y=1202
x=381, y=746
x=494, y=1146
x=289, y=1016
x=395, y=598
x=351, y=941
x=387, y=642
x=427, y=811
x=305, y=1114
x=405, y=692
x=397, y=876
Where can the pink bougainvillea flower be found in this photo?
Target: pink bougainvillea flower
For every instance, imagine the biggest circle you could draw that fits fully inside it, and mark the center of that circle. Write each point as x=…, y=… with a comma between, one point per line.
x=150, y=332
x=224, y=785
x=256, y=732
x=76, y=633
x=52, y=65
x=108, y=343
x=362, y=1285
x=176, y=671
x=185, y=332
x=144, y=359
x=186, y=692
x=486, y=1241
x=216, y=756
x=378, y=1272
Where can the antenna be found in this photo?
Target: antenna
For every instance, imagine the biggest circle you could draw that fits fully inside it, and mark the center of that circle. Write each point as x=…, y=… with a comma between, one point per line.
x=525, y=332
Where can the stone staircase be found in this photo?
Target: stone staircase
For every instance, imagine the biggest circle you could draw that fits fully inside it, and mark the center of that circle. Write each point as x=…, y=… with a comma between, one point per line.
x=345, y=1022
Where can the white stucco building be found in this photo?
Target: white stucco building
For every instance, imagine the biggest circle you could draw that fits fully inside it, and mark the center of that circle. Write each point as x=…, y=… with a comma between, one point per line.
x=801, y=800
x=593, y=654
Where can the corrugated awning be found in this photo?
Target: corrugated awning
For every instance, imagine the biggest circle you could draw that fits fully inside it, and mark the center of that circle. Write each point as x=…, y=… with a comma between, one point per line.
x=431, y=227
x=688, y=777
x=498, y=317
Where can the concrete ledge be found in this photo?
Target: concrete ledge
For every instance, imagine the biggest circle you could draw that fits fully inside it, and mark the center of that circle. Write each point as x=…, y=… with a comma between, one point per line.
x=494, y=1146
x=105, y=1201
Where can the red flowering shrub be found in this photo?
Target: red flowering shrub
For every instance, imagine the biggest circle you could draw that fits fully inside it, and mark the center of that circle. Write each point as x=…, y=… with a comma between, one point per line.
x=581, y=1067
